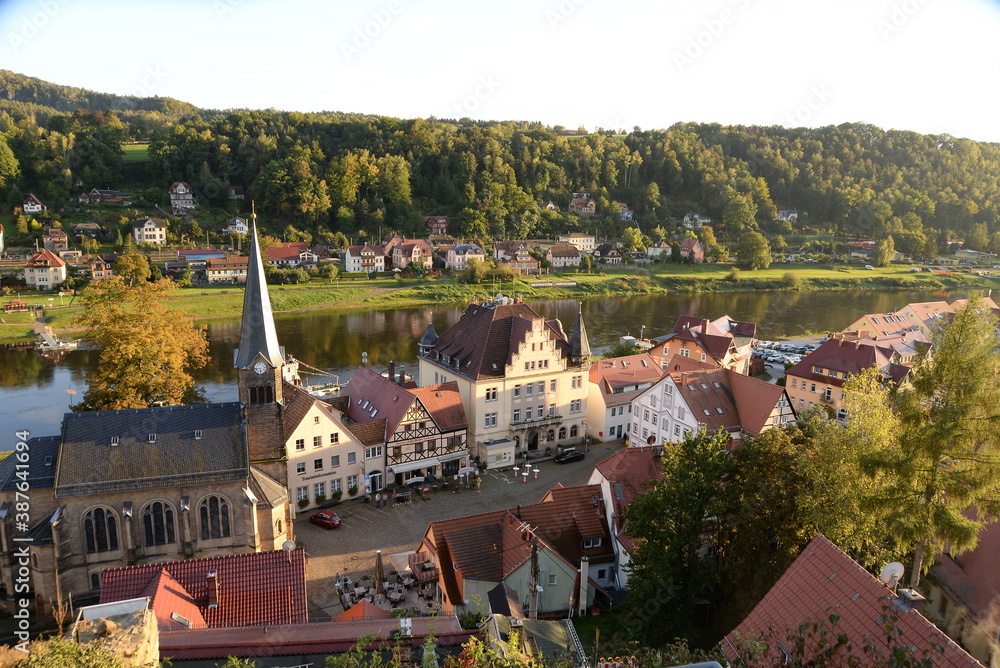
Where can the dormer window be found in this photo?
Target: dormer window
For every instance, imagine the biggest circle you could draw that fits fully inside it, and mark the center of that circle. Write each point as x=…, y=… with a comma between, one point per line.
x=114, y=440
x=197, y=434
x=152, y=438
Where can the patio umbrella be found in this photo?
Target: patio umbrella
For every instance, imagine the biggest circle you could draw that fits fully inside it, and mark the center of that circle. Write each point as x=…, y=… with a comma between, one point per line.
x=431, y=479
x=379, y=575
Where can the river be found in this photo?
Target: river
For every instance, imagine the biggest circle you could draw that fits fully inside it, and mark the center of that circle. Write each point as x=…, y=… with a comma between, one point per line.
x=33, y=391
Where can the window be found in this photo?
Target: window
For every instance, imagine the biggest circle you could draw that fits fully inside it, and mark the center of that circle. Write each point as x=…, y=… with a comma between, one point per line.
x=335, y=485
x=645, y=415
x=654, y=419
x=813, y=387
x=574, y=406
x=491, y=394
x=685, y=352
x=300, y=468
x=431, y=446
x=635, y=428
x=517, y=391
x=794, y=382
x=158, y=524
x=214, y=515
x=552, y=386
x=529, y=389
x=319, y=489
x=517, y=415
x=680, y=412
x=577, y=382
x=703, y=357
x=95, y=581
x=562, y=433
x=552, y=410
x=373, y=452
x=418, y=447
x=300, y=444
x=490, y=420
x=645, y=432
x=552, y=579
x=652, y=401
x=302, y=493
x=590, y=543
x=101, y=530
x=602, y=573
x=573, y=431
x=352, y=458
x=335, y=437
x=317, y=441
x=317, y=465
x=541, y=387
x=352, y=481
x=315, y=419
x=677, y=430
x=334, y=461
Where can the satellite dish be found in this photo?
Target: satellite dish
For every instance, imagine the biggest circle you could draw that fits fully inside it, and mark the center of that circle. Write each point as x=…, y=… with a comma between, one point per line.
x=288, y=545
x=891, y=574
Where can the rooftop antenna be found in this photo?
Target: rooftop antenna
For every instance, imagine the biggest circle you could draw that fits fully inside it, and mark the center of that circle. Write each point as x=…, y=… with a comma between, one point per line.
x=288, y=546
x=891, y=574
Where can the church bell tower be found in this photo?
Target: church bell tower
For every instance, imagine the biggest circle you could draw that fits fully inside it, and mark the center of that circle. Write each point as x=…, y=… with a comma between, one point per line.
x=260, y=362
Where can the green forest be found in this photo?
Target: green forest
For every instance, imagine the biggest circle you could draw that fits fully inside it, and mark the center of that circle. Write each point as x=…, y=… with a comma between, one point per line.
x=360, y=174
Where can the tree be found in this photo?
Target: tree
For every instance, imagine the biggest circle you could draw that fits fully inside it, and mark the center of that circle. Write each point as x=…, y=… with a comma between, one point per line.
x=754, y=251
x=475, y=272
x=146, y=350
x=635, y=240
x=131, y=264
x=883, y=252
x=623, y=349
x=978, y=237
x=670, y=521
x=946, y=461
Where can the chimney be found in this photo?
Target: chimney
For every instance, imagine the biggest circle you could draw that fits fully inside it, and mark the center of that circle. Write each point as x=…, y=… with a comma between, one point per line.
x=913, y=599
x=212, y=580
x=704, y=326
x=392, y=371
x=402, y=376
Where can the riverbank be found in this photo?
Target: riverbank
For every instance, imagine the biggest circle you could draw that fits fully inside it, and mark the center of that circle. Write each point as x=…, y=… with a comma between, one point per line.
x=383, y=294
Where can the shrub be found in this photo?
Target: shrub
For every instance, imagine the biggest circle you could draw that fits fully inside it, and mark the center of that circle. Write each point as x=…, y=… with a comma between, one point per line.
x=792, y=280
x=303, y=503
x=352, y=491
x=734, y=275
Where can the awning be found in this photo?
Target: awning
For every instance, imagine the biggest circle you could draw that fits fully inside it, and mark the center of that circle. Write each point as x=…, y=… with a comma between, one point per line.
x=414, y=465
x=458, y=454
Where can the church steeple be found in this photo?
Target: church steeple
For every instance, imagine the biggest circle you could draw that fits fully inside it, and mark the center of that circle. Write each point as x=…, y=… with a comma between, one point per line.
x=258, y=337
x=579, y=344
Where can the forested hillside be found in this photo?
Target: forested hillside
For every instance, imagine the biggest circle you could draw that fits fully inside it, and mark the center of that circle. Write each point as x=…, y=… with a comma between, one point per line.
x=358, y=173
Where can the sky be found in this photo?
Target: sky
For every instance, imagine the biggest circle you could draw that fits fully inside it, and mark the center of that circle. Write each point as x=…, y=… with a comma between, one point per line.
x=924, y=65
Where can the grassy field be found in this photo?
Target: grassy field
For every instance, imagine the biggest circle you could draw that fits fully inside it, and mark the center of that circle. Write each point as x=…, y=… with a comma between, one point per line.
x=136, y=152
x=16, y=334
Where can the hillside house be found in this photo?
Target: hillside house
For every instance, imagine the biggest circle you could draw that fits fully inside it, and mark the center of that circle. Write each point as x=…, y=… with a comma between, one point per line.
x=181, y=196
x=458, y=256
x=562, y=256
x=694, y=249
x=436, y=224
x=32, y=205
x=366, y=258
x=55, y=240
x=44, y=271
x=150, y=231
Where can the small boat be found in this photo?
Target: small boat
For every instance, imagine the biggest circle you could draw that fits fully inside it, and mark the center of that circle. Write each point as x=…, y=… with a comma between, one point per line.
x=48, y=344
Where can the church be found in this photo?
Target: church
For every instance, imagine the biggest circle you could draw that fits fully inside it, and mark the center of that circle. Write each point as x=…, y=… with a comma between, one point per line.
x=126, y=487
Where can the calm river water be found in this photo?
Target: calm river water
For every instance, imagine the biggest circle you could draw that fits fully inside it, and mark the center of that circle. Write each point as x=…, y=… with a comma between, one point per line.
x=33, y=391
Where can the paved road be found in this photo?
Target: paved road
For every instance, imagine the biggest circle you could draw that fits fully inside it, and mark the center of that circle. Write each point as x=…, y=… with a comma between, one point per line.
x=350, y=549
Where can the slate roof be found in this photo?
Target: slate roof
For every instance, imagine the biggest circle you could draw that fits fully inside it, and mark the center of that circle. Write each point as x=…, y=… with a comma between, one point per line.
x=579, y=344
x=973, y=579
x=89, y=464
x=255, y=588
x=40, y=474
x=269, y=492
x=258, y=336
x=374, y=396
x=630, y=472
x=141, y=222
x=480, y=345
x=822, y=581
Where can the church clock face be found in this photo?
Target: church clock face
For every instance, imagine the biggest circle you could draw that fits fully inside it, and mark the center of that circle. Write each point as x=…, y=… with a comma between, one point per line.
x=259, y=368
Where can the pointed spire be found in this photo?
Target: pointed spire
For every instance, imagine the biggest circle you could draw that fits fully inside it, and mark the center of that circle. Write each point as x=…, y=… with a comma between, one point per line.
x=257, y=333
x=579, y=344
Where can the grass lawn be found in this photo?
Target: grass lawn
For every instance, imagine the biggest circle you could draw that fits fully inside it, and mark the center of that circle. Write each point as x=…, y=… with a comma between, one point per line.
x=16, y=333
x=136, y=152
x=612, y=633
x=20, y=317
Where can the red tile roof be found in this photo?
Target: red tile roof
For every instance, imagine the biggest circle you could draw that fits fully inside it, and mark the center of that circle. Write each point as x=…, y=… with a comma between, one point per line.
x=361, y=611
x=850, y=357
x=973, y=578
x=45, y=259
x=822, y=581
x=630, y=472
x=254, y=588
x=444, y=403
x=168, y=598
x=625, y=372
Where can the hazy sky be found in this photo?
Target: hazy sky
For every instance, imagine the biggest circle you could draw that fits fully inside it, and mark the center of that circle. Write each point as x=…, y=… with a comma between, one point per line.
x=923, y=65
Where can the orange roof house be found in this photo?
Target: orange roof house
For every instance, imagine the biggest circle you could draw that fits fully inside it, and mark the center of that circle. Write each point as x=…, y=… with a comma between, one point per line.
x=822, y=581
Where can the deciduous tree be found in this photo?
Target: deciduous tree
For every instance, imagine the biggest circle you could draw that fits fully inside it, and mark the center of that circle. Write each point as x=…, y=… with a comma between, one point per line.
x=754, y=251
x=147, y=351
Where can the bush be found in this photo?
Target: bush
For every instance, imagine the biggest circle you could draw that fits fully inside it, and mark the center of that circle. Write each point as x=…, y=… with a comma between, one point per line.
x=337, y=495
x=734, y=275
x=352, y=491
x=792, y=280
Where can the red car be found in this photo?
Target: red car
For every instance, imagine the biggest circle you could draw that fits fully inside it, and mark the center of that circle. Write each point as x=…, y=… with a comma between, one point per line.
x=326, y=520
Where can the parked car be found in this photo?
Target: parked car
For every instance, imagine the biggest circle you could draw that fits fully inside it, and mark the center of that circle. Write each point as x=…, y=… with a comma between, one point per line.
x=869, y=267
x=325, y=519
x=569, y=455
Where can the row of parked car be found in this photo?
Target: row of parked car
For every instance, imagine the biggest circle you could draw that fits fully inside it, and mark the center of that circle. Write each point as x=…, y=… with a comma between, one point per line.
x=782, y=352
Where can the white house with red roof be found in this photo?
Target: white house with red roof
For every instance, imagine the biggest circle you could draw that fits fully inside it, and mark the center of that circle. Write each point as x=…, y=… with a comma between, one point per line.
x=612, y=384
x=694, y=396
x=55, y=240
x=622, y=477
x=44, y=271
x=412, y=252
x=32, y=204
x=291, y=254
x=823, y=581
x=181, y=195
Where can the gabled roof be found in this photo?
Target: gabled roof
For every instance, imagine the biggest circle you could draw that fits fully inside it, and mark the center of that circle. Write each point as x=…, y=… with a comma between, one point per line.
x=90, y=464
x=630, y=472
x=362, y=611
x=156, y=222
x=255, y=588
x=481, y=343
x=258, y=337
x=55, y=232
x=717, y=346
x=822, y=581
x=564, y=250
x=41, y=475
x=171, y=602
x=691, y=244
x=973, y=579
x=444, y=403
x=374, y=396
x=177, y=185
x=850, y=357
x=721, y=398
x=366, y=248
x=624, y=372
x=567, y=515
x=45, y=259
